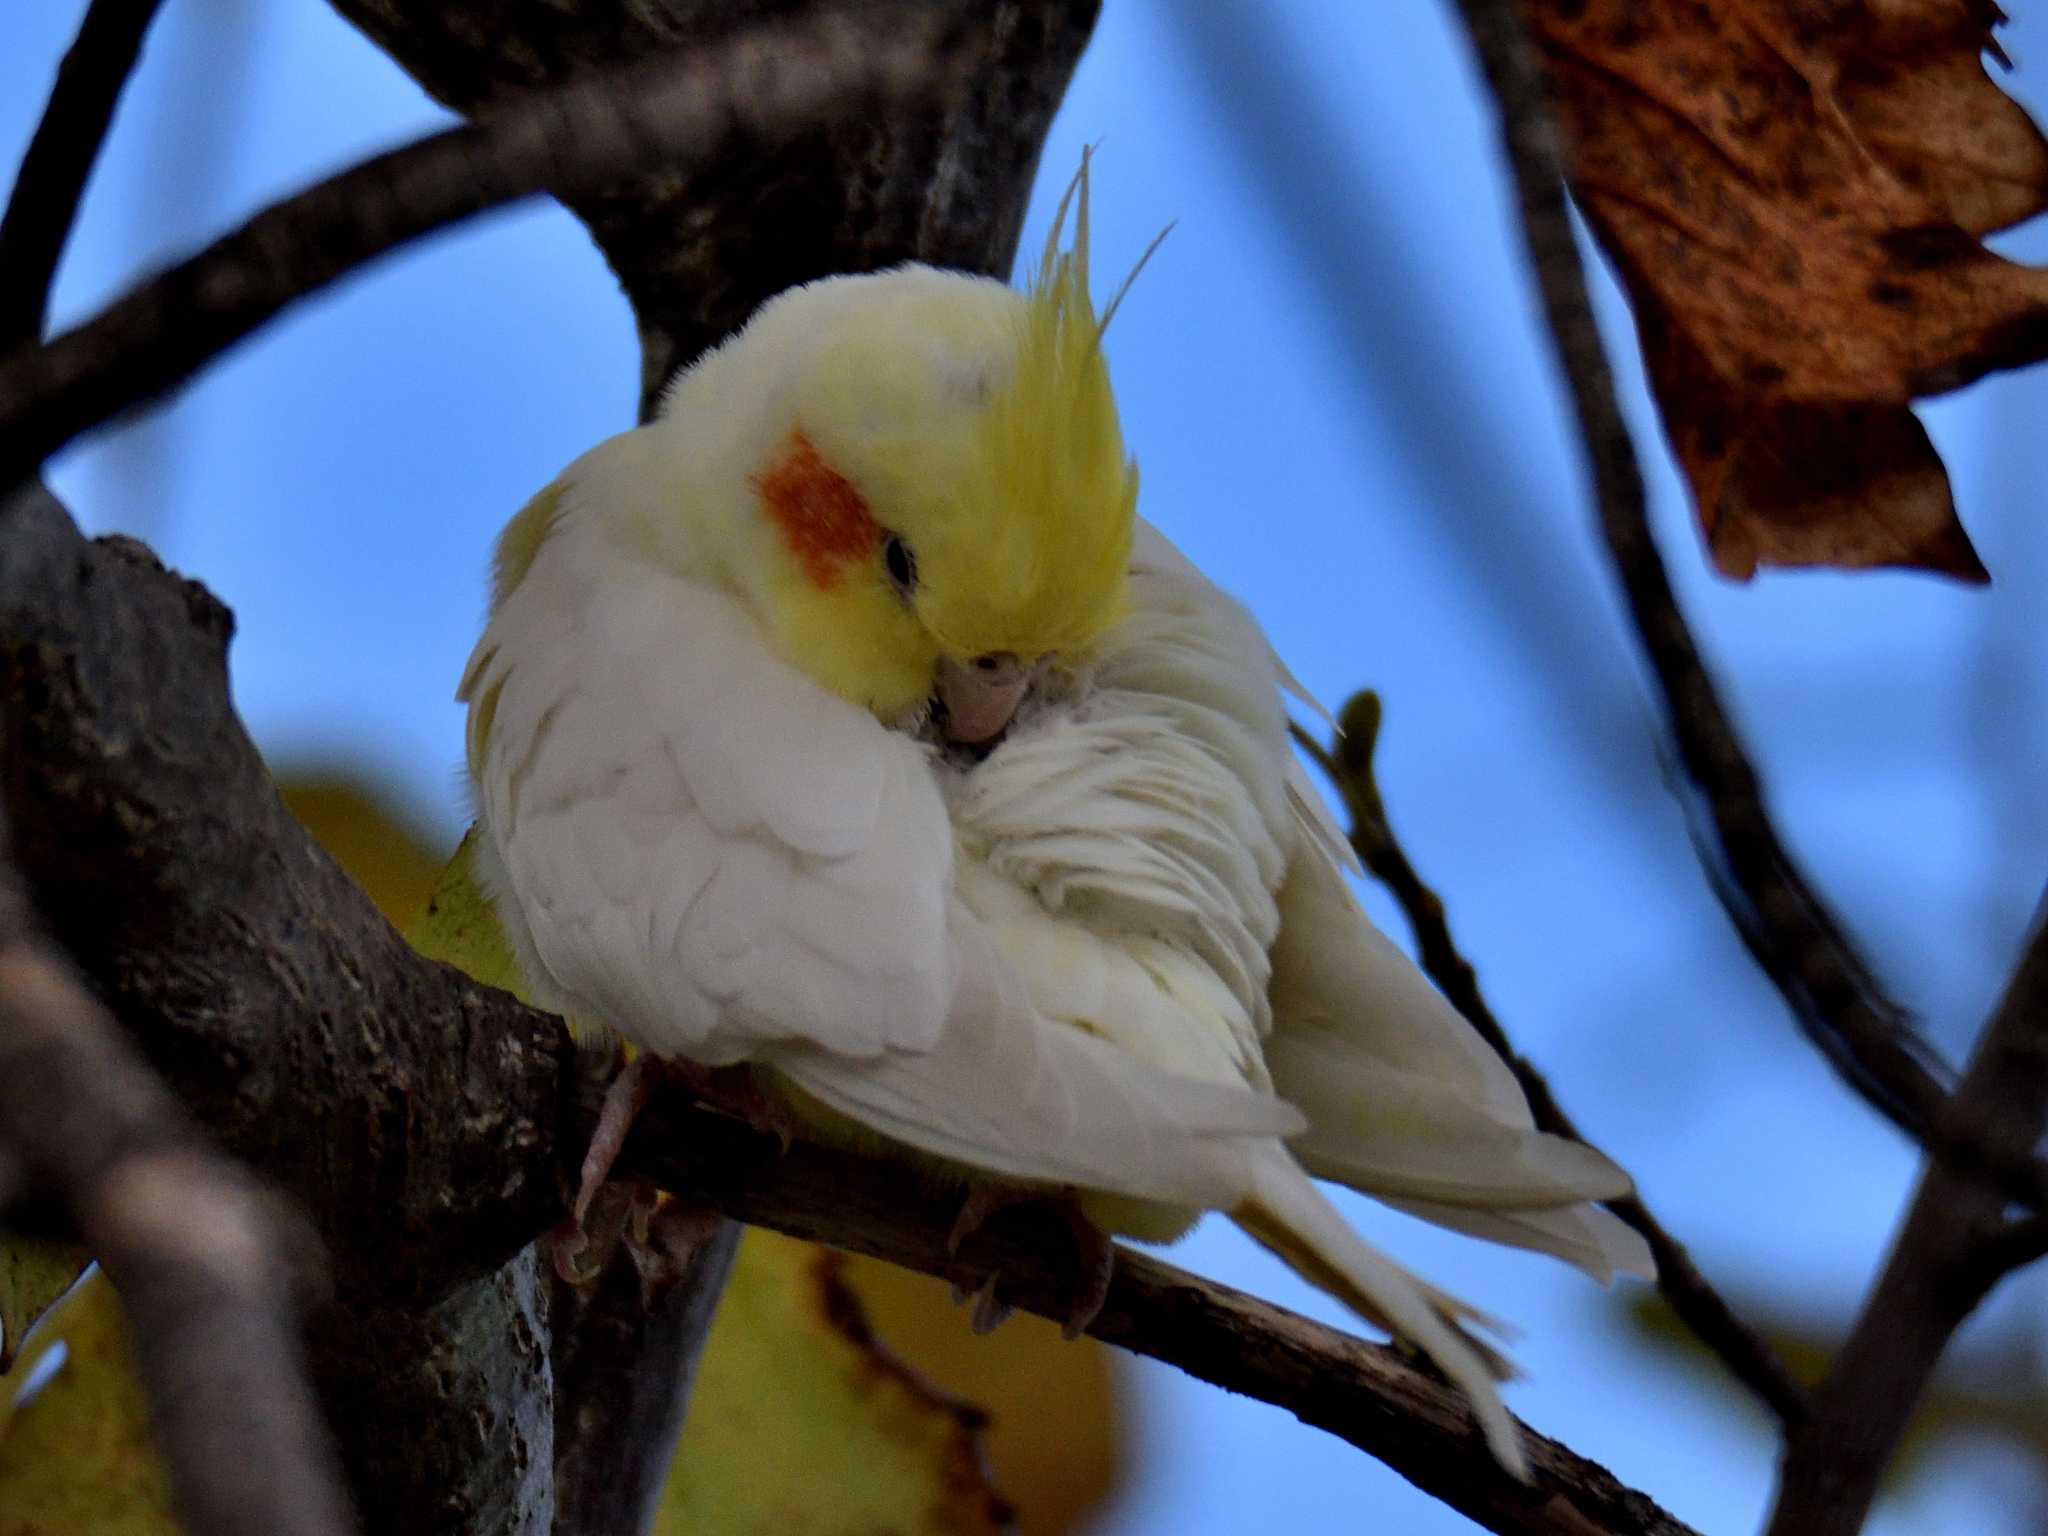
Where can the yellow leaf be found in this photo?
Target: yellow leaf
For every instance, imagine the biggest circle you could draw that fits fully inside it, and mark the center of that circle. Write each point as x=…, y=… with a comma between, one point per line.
x=368, y=836
x=1056, y=1437
x=76, y=1458
x=804, y=1425
x=458, y=926
x=34, y=1274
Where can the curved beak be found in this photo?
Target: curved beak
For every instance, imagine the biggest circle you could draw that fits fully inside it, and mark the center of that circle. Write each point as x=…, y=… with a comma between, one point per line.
x=981, y=696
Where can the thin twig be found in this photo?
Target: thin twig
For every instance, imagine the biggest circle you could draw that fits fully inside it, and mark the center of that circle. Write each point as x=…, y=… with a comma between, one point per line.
x=768, y=84
x=1956, y=1244
x=1700, y=1307
x=44, y=203
x=1873, y=1043
x=195, y=1251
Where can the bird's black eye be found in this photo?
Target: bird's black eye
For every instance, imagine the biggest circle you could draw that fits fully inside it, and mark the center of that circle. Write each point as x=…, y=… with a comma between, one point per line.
x=900, y=563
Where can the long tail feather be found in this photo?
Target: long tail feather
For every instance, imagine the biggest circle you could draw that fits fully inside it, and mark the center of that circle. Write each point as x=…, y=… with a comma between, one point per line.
x=1291, y=1217
x=1584, y=1236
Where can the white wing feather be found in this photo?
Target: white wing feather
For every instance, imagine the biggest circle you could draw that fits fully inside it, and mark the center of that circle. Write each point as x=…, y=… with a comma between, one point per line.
x=702, y=849
x=1007, y=1089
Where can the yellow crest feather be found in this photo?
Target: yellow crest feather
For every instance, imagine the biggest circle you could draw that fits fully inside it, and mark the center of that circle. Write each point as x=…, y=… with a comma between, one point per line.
x=1050, y=575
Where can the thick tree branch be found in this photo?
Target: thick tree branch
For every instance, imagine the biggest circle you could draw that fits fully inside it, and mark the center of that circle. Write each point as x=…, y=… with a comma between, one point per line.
x=1700, y=1307
x=674, y=111
x=197, y=1253
x=1957, y=1242
x=1841, y=1007
x=208, y=915
x=415, y=1123
x=697, y=249
x=44, y=203
x=625, y=1356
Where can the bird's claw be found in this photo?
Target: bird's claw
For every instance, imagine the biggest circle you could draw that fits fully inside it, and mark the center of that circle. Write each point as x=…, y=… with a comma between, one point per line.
x=1094, y=1256
x=990, y=1310
x=581, y=1244
x=662, y=1235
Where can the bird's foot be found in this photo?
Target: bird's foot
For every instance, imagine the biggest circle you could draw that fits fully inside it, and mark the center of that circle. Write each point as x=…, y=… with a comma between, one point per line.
x=1094, y=1255
x=581, y=1244
x=664, y=1236
x=661, y=1233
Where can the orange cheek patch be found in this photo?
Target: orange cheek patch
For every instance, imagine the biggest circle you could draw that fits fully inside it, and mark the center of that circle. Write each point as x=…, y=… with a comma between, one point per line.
x=822, y=517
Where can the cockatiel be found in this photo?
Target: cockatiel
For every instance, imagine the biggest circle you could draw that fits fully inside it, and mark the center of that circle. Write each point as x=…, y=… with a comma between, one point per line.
x=845, y=721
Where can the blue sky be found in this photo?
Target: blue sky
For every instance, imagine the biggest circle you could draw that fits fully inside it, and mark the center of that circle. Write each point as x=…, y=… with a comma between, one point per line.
x=1344, y=411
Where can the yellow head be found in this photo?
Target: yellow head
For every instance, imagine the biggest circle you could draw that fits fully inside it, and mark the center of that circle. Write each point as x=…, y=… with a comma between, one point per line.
x=935, y=483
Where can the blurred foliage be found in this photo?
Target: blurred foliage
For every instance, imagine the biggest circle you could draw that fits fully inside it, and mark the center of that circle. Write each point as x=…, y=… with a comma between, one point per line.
x=75, y=1455
x=383, y=850
x=804, y=1425
x=34, y=1275
x=1998, y=1393
x=1058, y=1437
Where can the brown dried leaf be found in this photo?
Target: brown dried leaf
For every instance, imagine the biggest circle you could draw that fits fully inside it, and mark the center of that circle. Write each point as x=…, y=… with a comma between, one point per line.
x=1791, y=191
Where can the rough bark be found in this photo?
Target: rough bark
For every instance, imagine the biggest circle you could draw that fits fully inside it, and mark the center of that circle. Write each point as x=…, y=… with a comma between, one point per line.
x=201, y=1254
x=697, y=253
x=413, y=1115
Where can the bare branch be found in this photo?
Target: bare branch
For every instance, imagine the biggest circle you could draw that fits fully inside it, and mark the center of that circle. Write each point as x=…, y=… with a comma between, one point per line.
x=765, y=84
x=415, y=1120
x=44, y=203
x=1370, y=1395
x=196, y=1252
x=1700, y=1307
x=625, y=1357
x=1954, y=1247
x=944, y=179
x=1842, y=1008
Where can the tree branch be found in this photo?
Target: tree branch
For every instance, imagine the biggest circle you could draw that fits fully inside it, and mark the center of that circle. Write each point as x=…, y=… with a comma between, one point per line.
x=196, y=1252
x=673, y=111
x=942, y=180
x=429, y=1124
x=1700, y=1307
x=44, y=203
x=1369, y=1395
x=1955, y=1245
x=416, y=1123
x=625, y=1357
x=1871, y=1041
